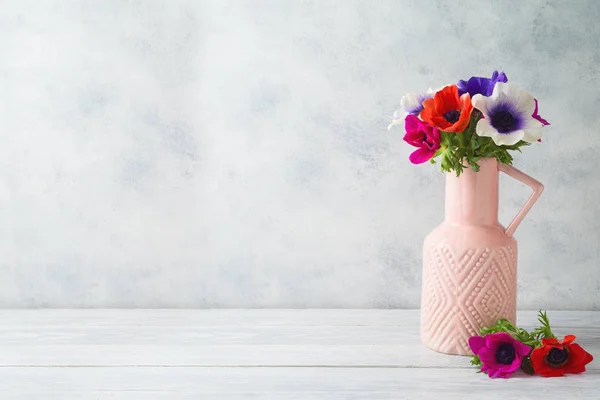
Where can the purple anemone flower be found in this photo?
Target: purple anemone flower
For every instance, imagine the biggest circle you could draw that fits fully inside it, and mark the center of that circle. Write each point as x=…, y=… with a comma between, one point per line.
x=508, y=115
x=500, y=353
x=479, y=85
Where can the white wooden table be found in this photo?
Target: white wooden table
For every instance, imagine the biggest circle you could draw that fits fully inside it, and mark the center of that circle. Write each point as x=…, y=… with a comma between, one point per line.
x=258, y=354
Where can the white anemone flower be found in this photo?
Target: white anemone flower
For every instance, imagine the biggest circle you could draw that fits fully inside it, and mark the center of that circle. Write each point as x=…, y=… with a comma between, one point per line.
x=507, y=115
x=411, y=103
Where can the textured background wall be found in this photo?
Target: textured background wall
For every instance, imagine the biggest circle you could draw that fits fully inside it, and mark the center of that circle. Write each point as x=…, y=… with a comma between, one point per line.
x=235, y=153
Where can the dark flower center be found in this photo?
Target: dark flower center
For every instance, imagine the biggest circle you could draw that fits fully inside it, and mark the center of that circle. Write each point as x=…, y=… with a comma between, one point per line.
x=505, y=353
x=452, y=116
x=557, y=357
x=503, y=121
x=425, y=140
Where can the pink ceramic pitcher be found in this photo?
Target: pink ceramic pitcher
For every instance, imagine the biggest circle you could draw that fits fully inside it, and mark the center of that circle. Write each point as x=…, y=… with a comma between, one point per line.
x=470, y=260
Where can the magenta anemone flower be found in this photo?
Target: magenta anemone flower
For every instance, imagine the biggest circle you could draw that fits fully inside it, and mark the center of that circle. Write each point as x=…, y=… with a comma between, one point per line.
x=421, y=135
x=500, y=353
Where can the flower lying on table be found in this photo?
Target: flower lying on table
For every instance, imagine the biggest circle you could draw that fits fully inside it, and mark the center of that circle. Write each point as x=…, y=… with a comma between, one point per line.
x=505, y=348
x=500, y=353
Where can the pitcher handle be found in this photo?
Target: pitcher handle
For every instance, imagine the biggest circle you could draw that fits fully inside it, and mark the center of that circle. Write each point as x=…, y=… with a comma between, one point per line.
x=537, y=187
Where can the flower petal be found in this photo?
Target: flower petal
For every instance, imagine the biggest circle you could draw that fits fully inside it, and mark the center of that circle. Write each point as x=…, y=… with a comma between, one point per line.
x=414, y=138
x=488, y=356
x=485, y=129
x=521, y=348
x=538, y=360
x=569, y=339
x=493, y=339
x=588, y=358
x=537, y=116
x=446, y=99
x=498, y=373
x=494, y=373
x=430, y=116
x=476, y=343
x=530, y=122
x=552, y=372
x=480, y=85
x=526, y=102
x=394, y=123
x=578, y=358
x=466, y=108
x=508, y=139
x=549, y=341
x=428, y=111
x=532, y=135
x=501, y=77
x=412, y=103
x=421, y=155
x=480, y=103
x=521, y=100
x=435, y=136
x=496, y=94
x=411, y=123
x=515, y=365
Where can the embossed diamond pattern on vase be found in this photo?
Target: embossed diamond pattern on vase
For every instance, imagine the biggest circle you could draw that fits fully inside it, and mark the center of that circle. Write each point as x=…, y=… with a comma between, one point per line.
x=462, y=294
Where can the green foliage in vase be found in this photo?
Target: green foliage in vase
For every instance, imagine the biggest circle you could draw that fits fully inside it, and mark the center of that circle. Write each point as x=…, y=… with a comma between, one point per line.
x=463, y=150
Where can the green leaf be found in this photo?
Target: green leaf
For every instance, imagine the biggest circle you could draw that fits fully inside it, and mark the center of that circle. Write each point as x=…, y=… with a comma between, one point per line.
x=544, y=331
x=473, y=164
x=476, y=361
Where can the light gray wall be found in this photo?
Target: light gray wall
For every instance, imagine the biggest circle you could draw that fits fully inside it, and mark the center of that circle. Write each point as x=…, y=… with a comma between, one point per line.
x=235, y=153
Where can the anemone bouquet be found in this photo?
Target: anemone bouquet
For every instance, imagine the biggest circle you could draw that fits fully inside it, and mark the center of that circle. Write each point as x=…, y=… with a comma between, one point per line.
x=470, y=120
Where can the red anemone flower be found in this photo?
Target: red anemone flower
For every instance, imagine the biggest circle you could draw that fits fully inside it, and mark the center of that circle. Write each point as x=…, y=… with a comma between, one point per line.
x=555, y=358
x=446, y=111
